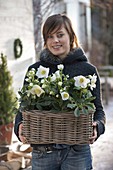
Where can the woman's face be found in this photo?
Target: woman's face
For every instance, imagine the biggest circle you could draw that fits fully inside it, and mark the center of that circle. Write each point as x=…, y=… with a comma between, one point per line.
x=59, y=43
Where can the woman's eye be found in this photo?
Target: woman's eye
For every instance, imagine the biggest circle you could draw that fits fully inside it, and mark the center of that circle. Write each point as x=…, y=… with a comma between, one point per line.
x=60, y=35
x=49, y=36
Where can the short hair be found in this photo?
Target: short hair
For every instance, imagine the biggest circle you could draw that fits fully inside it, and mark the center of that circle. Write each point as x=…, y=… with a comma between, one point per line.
x=54, y=23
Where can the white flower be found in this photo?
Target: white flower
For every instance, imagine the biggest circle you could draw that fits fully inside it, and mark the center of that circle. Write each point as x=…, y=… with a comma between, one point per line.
x=28, y=93
x=57, y=73
x=36, y=81
x=44, y=86
x=42, y=72
x=51, y=93
x=26, y=79
x=81, y=81
x=61, y=90
x=60, y=83
x=65, y=88
x=42, y=81
x=93, y=81
x=31, y=72
x=31, y=84
x=60, y=66
x=30, y=78
x=33, y=69
x=65, y=96
x=53, y=77
x=57, y=96
x=36, y=89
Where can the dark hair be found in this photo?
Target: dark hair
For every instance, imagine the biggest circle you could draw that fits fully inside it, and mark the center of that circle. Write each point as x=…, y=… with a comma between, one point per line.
x=54, y=23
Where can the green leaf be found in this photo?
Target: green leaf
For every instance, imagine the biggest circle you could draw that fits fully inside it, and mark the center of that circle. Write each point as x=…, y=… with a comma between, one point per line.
x=91, y=108
x=45, y=103
x=71, y=106
x=38, y=106
x=91, y=105
x=77, y=112
x=85, y=111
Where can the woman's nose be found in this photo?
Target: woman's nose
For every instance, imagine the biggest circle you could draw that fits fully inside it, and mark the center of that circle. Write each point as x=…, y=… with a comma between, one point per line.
x=55, y=39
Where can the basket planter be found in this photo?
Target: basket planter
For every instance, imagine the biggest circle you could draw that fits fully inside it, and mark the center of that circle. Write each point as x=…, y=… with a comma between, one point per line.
x=44, y=127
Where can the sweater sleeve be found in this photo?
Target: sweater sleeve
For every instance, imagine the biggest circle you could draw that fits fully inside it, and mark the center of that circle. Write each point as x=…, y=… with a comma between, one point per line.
x=99, y=115
x=18, y=121
x=18, y=118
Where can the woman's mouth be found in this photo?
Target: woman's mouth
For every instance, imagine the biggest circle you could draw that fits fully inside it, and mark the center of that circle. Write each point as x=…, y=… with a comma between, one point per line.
x=57, y=46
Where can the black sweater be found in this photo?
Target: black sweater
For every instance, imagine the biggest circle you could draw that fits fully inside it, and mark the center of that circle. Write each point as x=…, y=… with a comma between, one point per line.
x=75, y=64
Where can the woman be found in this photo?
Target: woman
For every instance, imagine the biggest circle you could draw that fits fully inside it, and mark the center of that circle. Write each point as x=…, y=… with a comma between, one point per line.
x=61, y=47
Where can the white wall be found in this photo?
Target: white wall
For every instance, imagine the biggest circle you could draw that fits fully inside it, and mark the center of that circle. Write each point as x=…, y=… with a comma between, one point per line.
x=16, y=21
x=73, y=14
x=73, y=11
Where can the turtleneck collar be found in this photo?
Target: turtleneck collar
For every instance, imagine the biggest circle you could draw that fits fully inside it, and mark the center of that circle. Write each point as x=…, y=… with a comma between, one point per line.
x=76, y=55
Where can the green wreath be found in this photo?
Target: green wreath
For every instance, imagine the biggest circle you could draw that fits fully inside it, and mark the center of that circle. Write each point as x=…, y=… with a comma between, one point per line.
x=18, y=48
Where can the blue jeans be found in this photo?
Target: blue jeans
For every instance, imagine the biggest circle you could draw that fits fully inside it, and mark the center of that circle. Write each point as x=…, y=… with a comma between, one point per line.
x=77, y=157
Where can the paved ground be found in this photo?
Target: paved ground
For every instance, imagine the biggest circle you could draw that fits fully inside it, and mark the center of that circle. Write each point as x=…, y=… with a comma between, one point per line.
x=102, y=149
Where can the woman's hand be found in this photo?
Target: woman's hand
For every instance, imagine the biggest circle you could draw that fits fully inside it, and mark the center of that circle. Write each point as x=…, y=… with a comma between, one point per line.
x=22, y=138
x=93, y=138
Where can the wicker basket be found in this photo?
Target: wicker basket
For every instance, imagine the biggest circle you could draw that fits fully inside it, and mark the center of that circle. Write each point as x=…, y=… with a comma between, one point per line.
x=60, y=128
